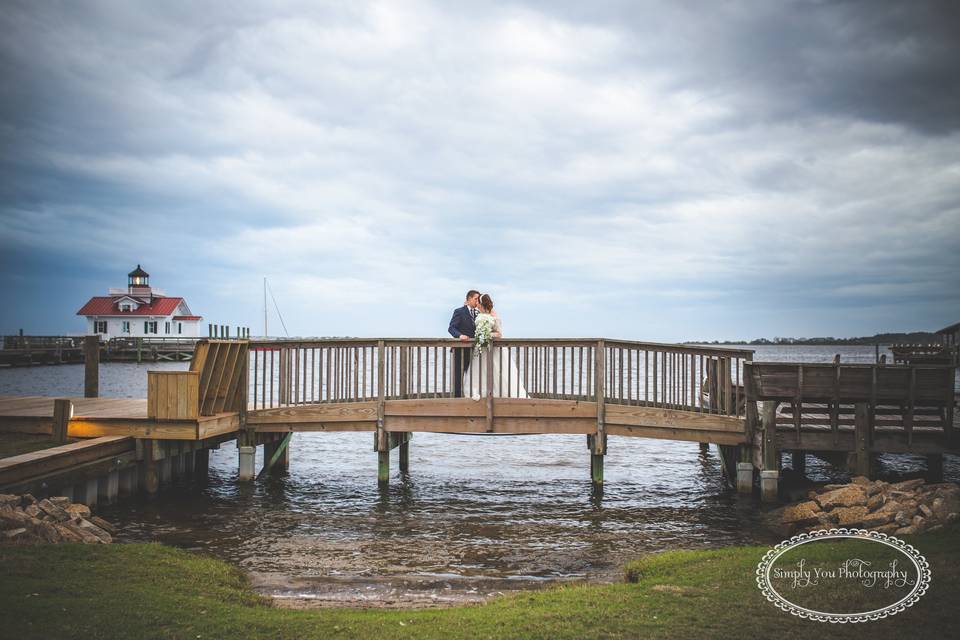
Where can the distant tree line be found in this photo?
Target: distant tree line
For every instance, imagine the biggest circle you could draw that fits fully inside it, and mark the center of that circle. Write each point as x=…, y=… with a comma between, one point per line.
x=916, y=337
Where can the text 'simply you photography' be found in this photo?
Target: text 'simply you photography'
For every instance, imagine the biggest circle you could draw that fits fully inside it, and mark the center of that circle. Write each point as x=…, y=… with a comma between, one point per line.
x=507, y=319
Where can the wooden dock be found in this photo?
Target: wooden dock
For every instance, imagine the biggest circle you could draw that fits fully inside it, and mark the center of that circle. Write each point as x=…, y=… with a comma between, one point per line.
x=21, y=351
x=260, y=392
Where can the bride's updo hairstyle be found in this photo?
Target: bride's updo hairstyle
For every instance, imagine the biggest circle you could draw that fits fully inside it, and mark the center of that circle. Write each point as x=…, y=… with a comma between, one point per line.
x=486, y=302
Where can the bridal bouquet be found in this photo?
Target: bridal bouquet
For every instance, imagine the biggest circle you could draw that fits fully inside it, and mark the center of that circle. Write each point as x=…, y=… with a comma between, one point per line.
x=484, y=333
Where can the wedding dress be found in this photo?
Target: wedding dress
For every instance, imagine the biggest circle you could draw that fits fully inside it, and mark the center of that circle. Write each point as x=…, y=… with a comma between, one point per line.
x=506, y=376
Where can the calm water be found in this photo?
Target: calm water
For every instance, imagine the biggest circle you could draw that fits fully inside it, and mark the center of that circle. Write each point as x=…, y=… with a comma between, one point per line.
x=477, y=515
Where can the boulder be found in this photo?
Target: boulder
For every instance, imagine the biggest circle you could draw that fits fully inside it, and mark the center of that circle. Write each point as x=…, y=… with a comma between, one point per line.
x=66, y=534
x=86, y=537
x=78, y=511
x=847, y=516
x=61, y=501
x=32, y=510
x=13, y=519
x=907, y=485
x=48, y=507
x=48, y=533
x=20, y=533
x=7, y=499
x=903, y=517
x=88, y=526
x=26, y=499
x=847, y=496
x=877, y=520
x=876, y=501
x=103, y=524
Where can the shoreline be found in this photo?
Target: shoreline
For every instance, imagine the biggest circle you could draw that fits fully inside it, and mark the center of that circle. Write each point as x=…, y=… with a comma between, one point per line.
x=163, y=592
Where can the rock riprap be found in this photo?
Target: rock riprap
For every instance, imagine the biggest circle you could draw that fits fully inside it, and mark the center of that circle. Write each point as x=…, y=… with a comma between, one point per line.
x=24, y=519
x=899, y=508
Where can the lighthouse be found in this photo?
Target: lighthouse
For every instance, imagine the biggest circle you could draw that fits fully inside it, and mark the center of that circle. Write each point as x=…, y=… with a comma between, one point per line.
x=140, y=310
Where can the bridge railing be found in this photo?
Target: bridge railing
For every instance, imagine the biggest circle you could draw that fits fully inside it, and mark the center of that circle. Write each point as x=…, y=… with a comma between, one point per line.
x=297, y=372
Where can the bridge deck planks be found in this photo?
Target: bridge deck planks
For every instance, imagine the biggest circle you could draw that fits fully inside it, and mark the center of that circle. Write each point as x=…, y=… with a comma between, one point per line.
x=98, y=417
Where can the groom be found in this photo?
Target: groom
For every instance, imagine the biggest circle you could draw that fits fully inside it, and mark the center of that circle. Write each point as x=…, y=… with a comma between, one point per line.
x=462, y=327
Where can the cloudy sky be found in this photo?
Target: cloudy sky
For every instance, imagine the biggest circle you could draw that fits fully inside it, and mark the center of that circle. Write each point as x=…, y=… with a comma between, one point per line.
x=646, y=170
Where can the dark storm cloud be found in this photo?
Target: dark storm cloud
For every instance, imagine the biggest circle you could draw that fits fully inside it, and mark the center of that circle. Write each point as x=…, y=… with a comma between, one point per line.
x=665, y=169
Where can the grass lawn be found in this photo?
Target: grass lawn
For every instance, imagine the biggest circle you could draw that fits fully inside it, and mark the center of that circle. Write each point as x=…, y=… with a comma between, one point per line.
x=153, y=591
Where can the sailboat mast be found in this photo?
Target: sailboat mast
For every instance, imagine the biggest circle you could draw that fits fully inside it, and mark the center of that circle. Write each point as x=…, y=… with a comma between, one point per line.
x=265, y=334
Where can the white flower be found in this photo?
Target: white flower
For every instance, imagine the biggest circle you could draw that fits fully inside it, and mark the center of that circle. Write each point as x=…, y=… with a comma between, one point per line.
x=484, y=329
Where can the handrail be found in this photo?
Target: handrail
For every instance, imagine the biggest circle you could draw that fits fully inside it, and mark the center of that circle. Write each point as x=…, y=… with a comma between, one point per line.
x=289, y=372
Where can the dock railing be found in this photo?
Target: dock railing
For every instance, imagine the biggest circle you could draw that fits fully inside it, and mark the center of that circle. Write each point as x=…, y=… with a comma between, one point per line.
x=287, y=373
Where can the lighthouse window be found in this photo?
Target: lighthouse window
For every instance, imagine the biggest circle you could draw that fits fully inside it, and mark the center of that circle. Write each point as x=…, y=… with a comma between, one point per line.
x=126, y=326
x=179, y=327
x=100, y=326
x=166, y=327
x=150, y=326
x=125, y=306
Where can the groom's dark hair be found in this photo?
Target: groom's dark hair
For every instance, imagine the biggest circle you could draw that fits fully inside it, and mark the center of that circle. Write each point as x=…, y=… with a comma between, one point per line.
x=471, y=293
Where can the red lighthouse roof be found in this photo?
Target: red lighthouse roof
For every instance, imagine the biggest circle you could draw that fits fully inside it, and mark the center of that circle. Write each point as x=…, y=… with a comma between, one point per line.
x=107, y=306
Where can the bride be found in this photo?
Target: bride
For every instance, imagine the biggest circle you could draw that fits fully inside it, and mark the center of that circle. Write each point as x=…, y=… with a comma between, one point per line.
x=506, y=377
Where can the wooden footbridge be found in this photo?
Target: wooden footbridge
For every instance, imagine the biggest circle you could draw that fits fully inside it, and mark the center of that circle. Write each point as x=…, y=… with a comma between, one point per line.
x=261, y=392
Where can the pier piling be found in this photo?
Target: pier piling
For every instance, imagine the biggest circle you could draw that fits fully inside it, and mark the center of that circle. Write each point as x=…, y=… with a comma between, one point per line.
x=109, y=487
x=91, y=366
x=744, y=477
x=769, y=481
x=383, y=468
x=247, y=462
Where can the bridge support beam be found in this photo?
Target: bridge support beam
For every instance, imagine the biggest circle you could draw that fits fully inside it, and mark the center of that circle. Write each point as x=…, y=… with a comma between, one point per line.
x=770, y=474
x=405, y=457
x=935, y=467
x=798, y=461
x=596, y=470
x=383, y=468
x=744, y=477
x=769, y=485
x=247, y=462
x=597, y=444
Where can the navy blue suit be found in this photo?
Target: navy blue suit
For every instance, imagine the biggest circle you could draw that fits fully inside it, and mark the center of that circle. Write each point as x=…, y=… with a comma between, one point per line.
x=461, y=324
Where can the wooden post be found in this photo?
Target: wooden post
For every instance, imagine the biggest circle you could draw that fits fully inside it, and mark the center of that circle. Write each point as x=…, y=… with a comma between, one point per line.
x=151, y=470
x=404, y=371
x=487, y=360
x=600, y=441
x=382, y=440
x=273, y=452
x=935, y=467
x=62, y=412
x=108, y=487
x=750, y=416
x=201, y=463
x=405, y=455
x=798, y=461
x=91, y=366
x=862, y=428
x=771, y=455
x=383, y=468
x=139, y=350
x=596, y=469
